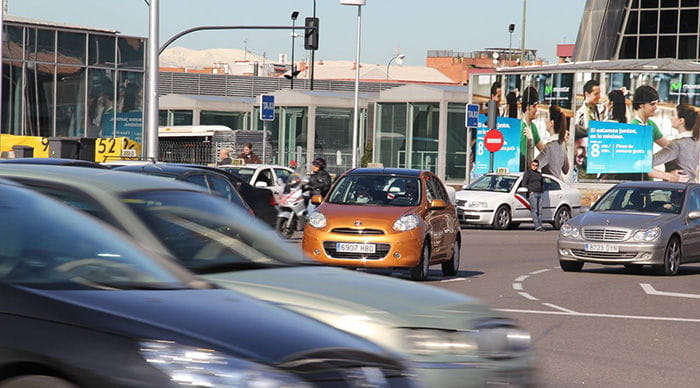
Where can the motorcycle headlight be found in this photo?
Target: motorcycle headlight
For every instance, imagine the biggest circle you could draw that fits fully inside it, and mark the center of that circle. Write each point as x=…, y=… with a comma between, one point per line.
x=317, y=219
x=426, y=342
x=405, y=223
x=569, y=231
x=650, y=234
x=207, y=368
x=476, y=204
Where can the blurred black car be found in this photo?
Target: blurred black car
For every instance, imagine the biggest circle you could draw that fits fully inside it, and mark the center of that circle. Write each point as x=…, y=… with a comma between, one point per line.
x=81, y=306
x=54, y=162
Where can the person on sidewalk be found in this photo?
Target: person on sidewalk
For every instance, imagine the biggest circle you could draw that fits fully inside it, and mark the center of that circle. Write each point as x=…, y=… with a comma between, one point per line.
x=533, y=181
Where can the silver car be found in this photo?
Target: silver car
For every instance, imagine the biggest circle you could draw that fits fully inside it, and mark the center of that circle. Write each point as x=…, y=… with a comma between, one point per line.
x=636, y=224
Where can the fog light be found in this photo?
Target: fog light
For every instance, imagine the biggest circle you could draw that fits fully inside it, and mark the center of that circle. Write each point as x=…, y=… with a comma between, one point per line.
x=646, y=256
x=565, y=251
x=397, y=255
x=317, y=252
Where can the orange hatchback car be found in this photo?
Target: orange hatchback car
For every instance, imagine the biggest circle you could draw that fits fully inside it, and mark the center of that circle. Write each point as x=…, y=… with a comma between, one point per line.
x=386, y=218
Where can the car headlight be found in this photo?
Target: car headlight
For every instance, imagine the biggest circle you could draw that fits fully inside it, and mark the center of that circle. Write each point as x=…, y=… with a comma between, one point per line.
x=317, y=220
x=569, y=231
x=208, y=368
x=650, y=234
x=426, y=342
x=476, y=204
x=502, y=341
x=405, y=223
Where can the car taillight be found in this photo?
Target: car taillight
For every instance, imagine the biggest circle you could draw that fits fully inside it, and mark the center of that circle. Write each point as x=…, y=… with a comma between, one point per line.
x=272, y=200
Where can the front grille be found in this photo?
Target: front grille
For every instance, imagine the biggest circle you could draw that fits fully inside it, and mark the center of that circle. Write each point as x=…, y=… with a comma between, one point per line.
x=604, y=255
x=357, y=231
x=381, y=251
x=605, y=234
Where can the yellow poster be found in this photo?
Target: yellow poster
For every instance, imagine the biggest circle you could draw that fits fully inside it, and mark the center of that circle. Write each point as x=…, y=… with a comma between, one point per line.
x=117, y=148
x=40, y=144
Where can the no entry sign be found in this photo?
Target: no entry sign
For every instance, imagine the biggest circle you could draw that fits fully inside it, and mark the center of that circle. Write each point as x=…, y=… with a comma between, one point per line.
x=493, y=140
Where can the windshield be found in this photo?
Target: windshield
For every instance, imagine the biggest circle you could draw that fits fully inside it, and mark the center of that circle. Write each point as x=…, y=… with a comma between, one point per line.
x=498, y=183
x=209, y=235
x=642, y=199
x=243, y=172
x=376, y=190
x=44, y=244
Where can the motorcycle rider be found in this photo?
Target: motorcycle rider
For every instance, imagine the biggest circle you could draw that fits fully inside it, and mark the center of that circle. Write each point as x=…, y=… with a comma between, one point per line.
x=320, y=180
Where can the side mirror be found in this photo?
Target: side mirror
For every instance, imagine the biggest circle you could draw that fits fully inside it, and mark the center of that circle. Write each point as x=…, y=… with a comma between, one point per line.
x=694, y=215
x=260, y=184
x=521, y=190
x=437, y=204
x=316, y=199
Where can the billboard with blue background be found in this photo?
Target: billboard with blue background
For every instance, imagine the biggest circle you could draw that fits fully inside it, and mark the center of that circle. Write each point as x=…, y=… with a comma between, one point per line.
x=129, y=124
x=619, y=148
x=509, y=156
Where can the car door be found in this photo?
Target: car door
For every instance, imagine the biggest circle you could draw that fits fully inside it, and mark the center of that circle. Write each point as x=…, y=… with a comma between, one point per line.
x=441, y=239
x=223, y=188
x=691, y=246
x=519, y=202
x=552, y=196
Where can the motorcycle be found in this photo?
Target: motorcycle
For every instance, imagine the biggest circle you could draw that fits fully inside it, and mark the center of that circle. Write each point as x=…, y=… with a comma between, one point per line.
x=291, y=207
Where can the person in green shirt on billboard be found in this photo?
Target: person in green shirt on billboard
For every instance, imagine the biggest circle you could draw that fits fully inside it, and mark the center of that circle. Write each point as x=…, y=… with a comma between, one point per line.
x=529, y=137
x=644, y=103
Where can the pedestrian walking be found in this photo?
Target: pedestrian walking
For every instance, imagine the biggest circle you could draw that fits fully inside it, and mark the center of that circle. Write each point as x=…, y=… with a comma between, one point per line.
x=533, y=181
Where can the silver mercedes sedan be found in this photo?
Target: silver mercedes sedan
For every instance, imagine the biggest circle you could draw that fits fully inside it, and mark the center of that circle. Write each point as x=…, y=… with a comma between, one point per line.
x=636, y=224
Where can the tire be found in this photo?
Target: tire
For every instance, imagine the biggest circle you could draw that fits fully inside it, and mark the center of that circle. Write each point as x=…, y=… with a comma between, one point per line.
x=450, y=268
x=560, y=217
x=514, y=225
x=35, y=381
x=420, y=271
x=672, y=258
x=501, y=219
x=571, y=266
x=282, y=228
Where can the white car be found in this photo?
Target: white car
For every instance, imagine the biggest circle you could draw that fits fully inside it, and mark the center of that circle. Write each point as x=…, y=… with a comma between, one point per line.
x=268, y=176
x=499, y=201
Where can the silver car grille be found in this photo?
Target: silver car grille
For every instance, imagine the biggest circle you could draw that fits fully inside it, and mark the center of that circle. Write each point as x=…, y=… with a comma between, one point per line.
x=605, y=234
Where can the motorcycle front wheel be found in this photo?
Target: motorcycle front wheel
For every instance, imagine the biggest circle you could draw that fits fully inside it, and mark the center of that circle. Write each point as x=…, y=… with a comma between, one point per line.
x=282, y=228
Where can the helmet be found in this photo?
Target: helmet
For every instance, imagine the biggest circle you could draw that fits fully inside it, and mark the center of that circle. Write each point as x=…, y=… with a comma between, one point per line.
x=320, y=162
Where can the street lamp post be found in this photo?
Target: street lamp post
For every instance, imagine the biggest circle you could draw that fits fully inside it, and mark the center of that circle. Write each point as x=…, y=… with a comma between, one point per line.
x=399, y=57
x=313, y=56
x=356, y=118
x=295, y=14
x=511, y=28
x=152, y=84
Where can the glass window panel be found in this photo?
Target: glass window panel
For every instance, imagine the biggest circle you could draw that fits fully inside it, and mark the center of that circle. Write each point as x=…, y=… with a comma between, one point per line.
x=129, y=105
x=295, y=132
x=635, y=4
x=632, y=23
x=667, y=47
x=180, y=117
x=628, y=50
x=71, y=48
x=687, y=47
x=649, y=3
x=130, y=53
x=390, y=142
x=647, y=47
x=39, y=81
x=233, y=120
x=12, y=98
x=689, y=3
x=334, y=134
x=424, y=143
x=41, y=45
x=456, y=160
x=648, y=22
x=669, y=22
x=13, y=44
x=669, y=4
x=101, y=50
x=162, y=118
x=689, y=21
x=70, y=101
x=100, y=110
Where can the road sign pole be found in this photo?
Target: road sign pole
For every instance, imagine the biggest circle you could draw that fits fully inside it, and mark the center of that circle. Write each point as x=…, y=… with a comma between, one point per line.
x=490, y=162
x=471, y=122
x=264, y=141
x=467, y=173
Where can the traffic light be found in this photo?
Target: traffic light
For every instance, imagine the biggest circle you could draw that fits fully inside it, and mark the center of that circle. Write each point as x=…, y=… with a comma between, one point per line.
x=311, y=34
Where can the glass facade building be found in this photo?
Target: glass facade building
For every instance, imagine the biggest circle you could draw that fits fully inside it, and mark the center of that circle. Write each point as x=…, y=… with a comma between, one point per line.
x=61, y=80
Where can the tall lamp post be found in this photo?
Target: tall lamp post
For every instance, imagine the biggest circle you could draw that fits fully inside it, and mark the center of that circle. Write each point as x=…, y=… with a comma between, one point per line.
x=356, y=118
x=295, y=14
x=398, y=57
x=511, y=28
x=313, y=56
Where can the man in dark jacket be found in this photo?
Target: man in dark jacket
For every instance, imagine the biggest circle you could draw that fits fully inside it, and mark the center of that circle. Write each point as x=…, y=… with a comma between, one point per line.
x=533, y=181
x=320, y=180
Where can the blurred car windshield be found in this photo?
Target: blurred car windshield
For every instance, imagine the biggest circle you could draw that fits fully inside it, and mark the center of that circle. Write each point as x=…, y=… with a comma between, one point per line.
x=243, y=172
x=377, y=190
x=642, y=199
x=208, y=235
x=44, y=244
x=498, y=183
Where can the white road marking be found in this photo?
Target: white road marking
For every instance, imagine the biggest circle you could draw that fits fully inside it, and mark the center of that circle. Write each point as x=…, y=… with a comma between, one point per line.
x=649, y=289
x=452, y=280
x=528, y=296
x=518, y=286
x=646, y=318
x=539, y=272
x=521, y=278
x=560, y=308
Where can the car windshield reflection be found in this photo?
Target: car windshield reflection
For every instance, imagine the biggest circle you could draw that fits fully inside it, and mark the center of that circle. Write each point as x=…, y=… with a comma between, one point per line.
x=377, y=190
x=208, y=235
x=497, y=183
x=642, y=199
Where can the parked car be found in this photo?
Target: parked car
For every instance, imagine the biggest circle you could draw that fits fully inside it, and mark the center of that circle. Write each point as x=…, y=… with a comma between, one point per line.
x=82, y=306
x=386, y=218
x=54, y=161
x=499, y=201
x=451, y=339
x=636, y=224
x=268, y=176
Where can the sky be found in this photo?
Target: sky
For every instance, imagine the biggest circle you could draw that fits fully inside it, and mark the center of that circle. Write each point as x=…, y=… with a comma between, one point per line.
x=389, y=27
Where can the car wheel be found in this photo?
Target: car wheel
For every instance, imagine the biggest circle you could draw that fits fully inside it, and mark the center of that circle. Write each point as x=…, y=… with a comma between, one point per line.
x=282, y=228
x=514, y=225
x=450, y=268
x=501, y=219
x=561, y=216
x=672, y=257
x=571, y=266
x=420, y=271
x=35, y=381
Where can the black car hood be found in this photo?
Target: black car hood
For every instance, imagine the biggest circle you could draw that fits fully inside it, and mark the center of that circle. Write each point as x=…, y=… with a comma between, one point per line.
x=624, y=219
x=222, y=319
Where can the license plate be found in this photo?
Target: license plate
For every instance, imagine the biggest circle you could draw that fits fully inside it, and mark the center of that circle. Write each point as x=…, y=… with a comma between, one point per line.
x=355, y=248
x=601, y=248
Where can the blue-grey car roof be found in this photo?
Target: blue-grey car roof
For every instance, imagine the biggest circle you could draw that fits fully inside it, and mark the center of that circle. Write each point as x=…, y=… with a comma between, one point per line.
x=386, y=171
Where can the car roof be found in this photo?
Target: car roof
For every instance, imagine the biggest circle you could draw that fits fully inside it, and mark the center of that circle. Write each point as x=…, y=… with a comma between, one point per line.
x=166, y=168
x=54, y=161
x=657, y=184
x=88, y=178
x=386, y=171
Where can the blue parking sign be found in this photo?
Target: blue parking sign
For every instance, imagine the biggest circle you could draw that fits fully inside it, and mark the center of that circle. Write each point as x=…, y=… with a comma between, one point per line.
x=267, y=107
x=472, y=116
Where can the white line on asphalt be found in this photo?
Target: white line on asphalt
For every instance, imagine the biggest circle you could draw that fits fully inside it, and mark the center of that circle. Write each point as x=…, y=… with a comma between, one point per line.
x=521, y=278
x=560, y=308
x=528, y=296
x=517, y=286
x=539, y=272
x=649, y=289
x=646, y=318
x=452, y=280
